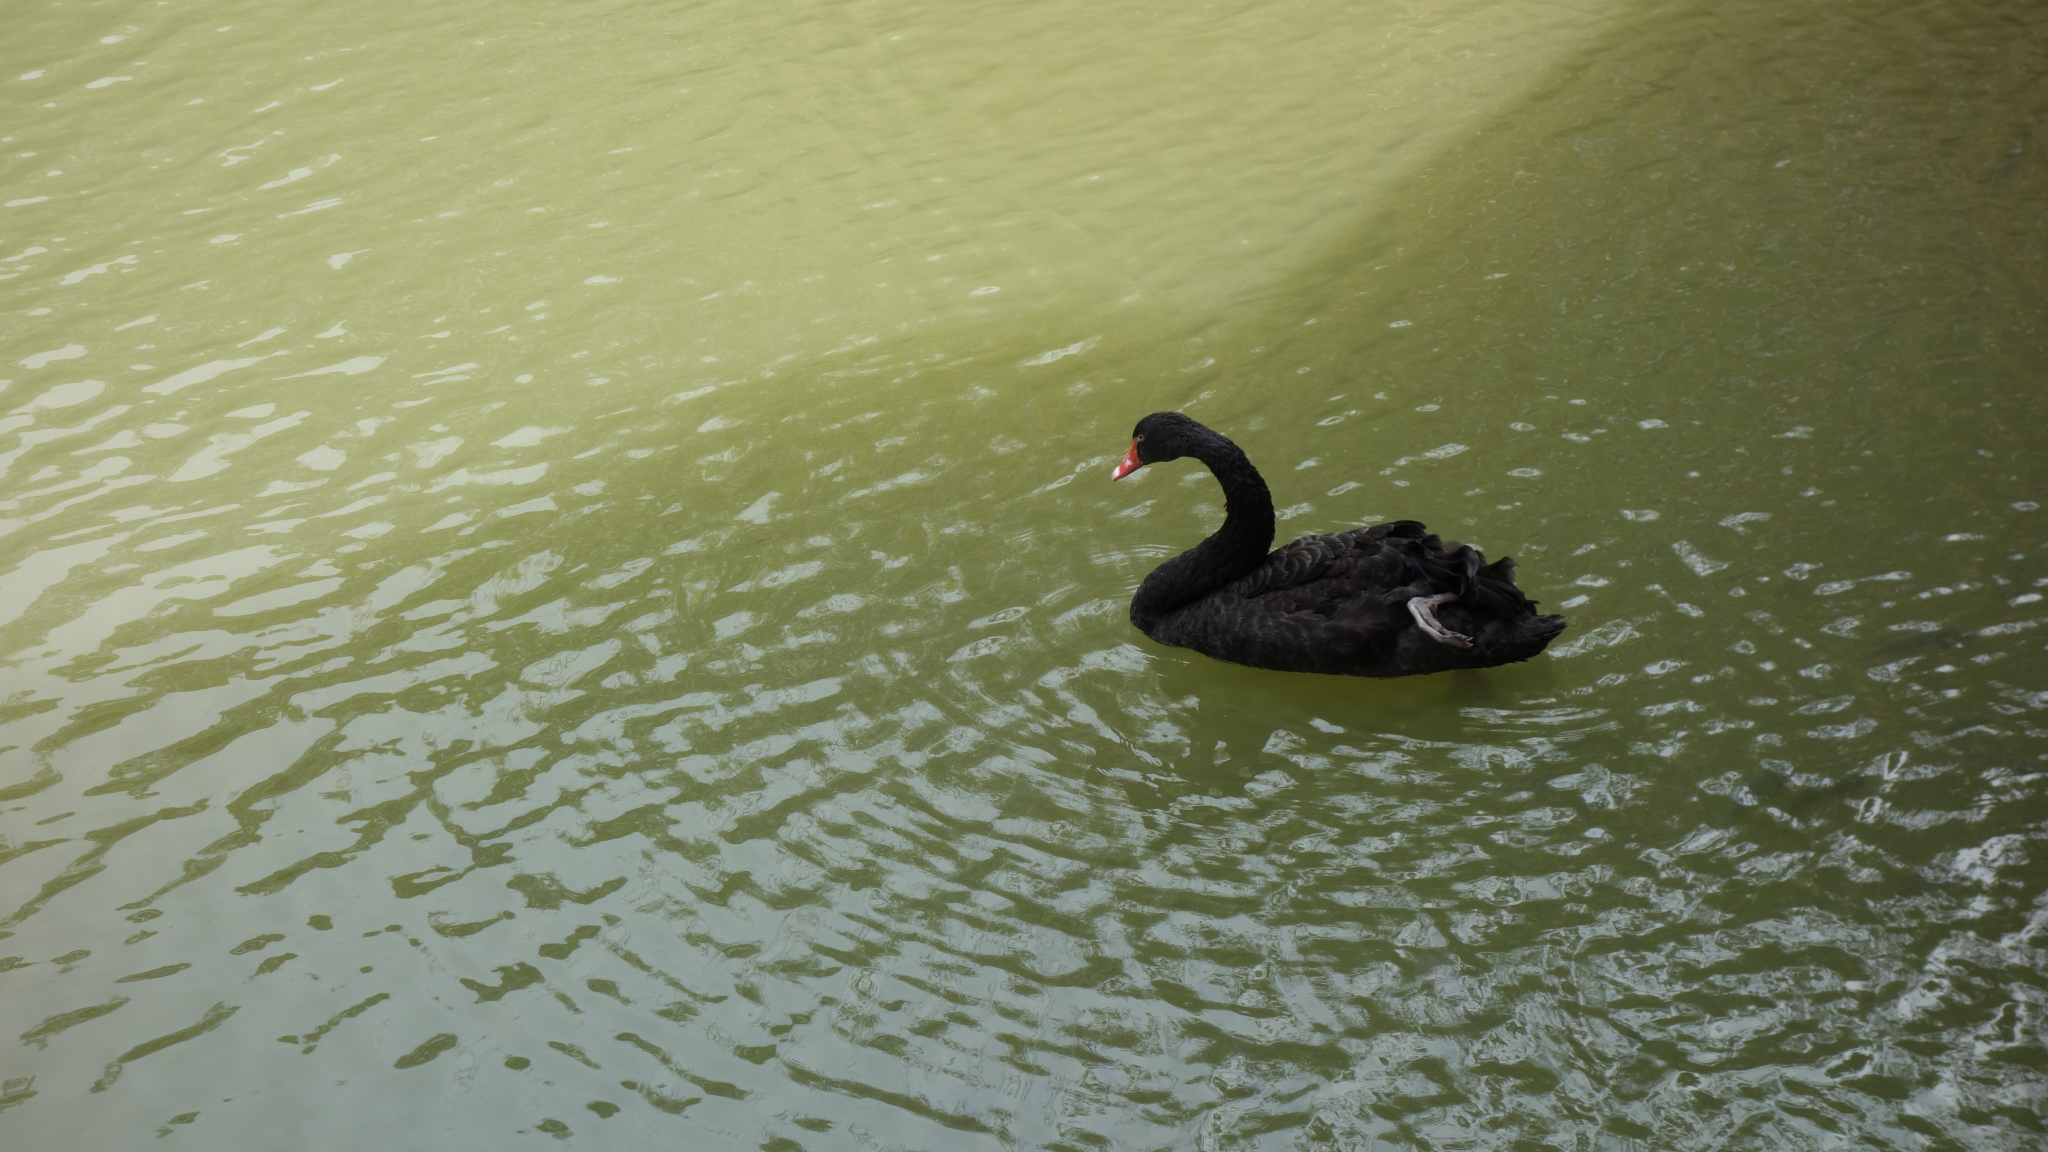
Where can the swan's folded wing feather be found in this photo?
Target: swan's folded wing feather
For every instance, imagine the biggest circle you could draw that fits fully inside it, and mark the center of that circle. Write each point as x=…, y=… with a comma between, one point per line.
x=1318, y=573
x=1303, y=562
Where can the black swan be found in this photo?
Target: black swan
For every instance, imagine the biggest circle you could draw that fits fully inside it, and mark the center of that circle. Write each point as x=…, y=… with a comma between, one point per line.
x=1389, y=600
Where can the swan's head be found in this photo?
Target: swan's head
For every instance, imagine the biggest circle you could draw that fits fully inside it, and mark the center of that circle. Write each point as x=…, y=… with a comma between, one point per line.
x=1159, y=437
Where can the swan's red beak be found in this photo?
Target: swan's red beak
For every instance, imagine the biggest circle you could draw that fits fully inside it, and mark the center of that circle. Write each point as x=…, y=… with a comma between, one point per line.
x=1131, y=463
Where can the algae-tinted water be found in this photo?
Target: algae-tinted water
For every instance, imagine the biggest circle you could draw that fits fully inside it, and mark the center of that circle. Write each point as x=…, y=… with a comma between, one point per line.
x=560, y=579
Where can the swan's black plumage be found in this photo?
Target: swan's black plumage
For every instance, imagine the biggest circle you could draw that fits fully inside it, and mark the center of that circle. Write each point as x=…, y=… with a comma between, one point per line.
x=1337, y=604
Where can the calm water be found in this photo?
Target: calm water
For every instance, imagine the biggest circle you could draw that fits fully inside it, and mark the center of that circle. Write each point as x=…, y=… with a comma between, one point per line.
x=560, y=579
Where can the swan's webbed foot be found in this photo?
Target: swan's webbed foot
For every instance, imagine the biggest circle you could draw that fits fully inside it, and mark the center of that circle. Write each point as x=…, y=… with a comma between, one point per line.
x=1423, y=608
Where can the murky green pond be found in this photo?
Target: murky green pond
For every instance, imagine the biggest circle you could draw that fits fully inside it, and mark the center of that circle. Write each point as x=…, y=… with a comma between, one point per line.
x=560, y=580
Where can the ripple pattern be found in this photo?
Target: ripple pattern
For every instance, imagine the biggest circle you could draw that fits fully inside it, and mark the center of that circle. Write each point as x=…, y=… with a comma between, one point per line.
x=459, y=698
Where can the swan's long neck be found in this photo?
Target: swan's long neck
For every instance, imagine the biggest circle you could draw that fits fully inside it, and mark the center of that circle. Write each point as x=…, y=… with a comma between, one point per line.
x=1236, y=549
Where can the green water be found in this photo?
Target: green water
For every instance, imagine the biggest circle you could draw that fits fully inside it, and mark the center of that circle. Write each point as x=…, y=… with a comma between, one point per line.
x=560, y=580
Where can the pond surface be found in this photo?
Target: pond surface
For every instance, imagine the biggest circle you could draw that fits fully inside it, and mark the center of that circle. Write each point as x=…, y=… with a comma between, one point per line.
x=560, y=579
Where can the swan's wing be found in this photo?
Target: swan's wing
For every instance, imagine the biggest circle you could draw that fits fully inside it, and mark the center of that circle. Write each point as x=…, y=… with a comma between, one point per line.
x=1316, y=571
x=1295, y=565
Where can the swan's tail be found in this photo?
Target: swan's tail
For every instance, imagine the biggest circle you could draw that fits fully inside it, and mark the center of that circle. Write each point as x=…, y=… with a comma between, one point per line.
x=1491, y=590
x=1493, y=587
x=1486, y=591
x=1538, y=631
x=1487, y=588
